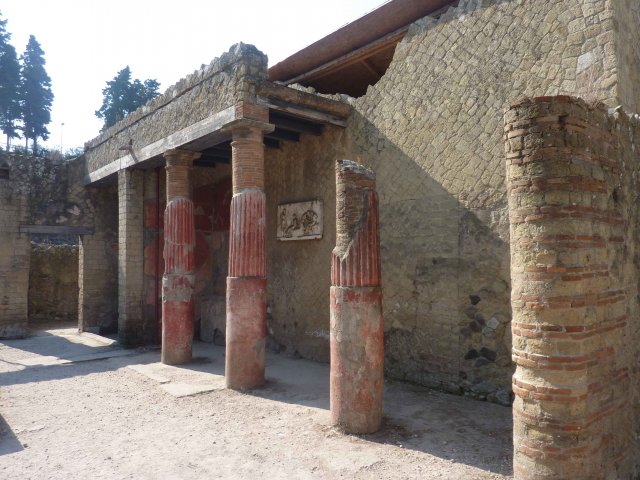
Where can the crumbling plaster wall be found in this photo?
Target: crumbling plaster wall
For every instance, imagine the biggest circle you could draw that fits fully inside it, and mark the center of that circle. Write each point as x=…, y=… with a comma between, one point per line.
x=227, y=80
x=432, y=130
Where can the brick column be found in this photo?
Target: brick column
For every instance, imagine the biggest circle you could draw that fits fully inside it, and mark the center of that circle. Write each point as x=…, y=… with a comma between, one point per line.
x=357, y=330
x=247, y=279
x=130, y=257
x=178, y=281
x=568, y=300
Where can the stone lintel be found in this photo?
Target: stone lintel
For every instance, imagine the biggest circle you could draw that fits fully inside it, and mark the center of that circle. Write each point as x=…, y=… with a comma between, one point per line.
x=210, y=126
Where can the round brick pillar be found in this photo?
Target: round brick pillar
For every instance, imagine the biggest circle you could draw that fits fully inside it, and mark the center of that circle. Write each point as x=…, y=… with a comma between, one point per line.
x=357, y=330
x=178, y=280
x=568, y=300
x=247, y=279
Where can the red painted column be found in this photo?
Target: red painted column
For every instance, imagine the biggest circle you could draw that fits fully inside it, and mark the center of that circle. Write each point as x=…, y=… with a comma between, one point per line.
x=178, y=281
x=357, y=330
x=247, y=279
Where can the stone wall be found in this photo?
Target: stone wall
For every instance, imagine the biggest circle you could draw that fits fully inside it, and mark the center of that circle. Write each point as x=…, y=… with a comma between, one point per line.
x=572, y=184
x=227, y=80
x=53, y=283
x=431, y=128
x=45, y=192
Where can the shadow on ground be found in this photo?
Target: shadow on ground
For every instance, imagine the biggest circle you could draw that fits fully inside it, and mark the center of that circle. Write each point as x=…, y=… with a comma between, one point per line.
x=8, y=441
x=447, y=426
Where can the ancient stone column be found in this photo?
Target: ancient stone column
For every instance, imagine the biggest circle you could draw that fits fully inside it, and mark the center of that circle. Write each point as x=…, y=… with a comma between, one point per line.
x=568, y=297
x=247, y=279
x=130, y=265
x=178, y=281
x=357, y=331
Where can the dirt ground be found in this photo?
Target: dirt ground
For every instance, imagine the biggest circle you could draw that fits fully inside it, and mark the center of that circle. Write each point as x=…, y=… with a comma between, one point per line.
x=78, y=407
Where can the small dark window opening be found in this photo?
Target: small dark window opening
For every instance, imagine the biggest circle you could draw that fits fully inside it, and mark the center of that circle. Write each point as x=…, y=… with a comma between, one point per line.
x=4, y=171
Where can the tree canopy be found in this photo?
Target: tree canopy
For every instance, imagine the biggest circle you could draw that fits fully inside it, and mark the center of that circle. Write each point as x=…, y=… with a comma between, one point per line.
x=36, y=96
x=10, y=111
x=122, y=96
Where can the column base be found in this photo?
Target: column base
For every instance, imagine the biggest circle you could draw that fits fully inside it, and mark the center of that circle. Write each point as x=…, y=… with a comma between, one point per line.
x=246, y=332
x=177, y=318
x=357, y=359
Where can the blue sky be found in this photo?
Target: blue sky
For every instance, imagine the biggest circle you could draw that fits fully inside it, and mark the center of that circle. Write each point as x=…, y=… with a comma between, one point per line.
x=87, y=42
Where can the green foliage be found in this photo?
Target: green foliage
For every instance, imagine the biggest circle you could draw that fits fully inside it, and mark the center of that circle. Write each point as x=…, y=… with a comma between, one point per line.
x=9, y=81
x=35, y=93
x=122, y=96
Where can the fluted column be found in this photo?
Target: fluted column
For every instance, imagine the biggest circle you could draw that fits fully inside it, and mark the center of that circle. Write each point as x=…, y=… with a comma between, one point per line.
x=178, y=280
x=247, y=280
x=357, y=331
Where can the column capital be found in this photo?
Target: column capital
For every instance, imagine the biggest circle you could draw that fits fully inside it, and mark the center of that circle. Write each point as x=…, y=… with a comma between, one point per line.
x=246, y=124
x=179, y=156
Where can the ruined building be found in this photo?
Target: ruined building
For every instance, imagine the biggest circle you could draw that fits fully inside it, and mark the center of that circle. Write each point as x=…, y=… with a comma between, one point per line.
x=503, y=137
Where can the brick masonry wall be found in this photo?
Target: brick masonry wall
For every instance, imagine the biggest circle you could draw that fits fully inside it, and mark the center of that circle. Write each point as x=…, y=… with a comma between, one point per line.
x=573, y=289
x=431, y=128
x=227, y=80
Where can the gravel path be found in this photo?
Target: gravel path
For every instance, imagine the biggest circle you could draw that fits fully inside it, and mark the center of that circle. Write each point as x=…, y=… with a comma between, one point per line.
x=101, y=419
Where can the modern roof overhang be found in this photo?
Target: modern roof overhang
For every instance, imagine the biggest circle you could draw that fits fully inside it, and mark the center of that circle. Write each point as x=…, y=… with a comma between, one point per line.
x=358, y=54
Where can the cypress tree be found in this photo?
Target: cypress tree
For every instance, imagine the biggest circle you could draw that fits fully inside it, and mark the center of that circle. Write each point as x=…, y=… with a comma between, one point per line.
x=122, y=96
x=35, y=93
x=9, y=83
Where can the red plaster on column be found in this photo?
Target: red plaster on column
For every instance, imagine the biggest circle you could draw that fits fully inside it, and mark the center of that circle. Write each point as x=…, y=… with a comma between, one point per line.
x=246, y=332
x=178, y=281
x=357, y=329
x=246, y=283
x=247, y=238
